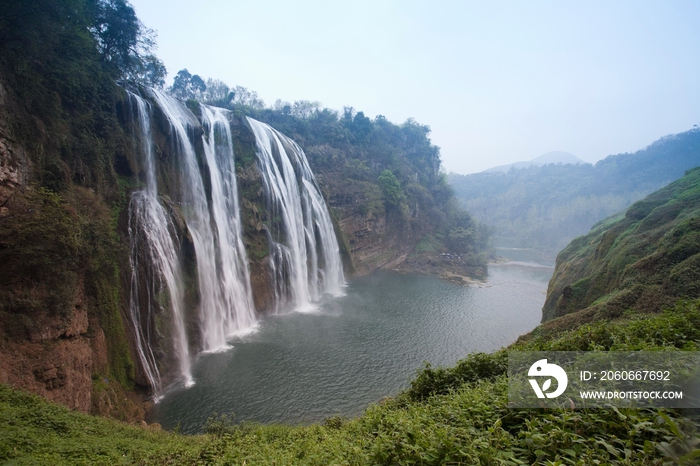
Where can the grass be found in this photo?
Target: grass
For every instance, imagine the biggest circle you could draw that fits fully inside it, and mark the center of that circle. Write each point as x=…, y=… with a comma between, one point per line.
x=456, y=415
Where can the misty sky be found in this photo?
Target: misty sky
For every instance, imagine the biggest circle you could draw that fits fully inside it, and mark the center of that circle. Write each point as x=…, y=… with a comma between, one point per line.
x=497, y=82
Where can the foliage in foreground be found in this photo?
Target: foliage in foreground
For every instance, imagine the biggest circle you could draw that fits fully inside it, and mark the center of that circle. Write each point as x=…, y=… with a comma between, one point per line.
x=455, y=415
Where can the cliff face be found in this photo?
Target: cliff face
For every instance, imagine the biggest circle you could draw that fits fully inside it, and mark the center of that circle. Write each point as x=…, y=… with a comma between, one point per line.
x=379, y=236
x=65, y=329
x=54, y=357
x=55, y=361
x=14, y=164
x=51, y=339
x=370, y=238
x=373, y=244
x=644, y=259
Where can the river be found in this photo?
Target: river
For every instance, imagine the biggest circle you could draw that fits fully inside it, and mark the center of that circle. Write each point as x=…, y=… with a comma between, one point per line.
x=356, y=349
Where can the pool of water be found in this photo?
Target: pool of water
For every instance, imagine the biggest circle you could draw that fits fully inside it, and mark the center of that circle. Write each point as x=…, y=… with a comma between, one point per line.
x=358, y=348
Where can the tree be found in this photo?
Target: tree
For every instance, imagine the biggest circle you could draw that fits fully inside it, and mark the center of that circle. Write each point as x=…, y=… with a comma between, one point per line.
x=125, y=44
x=246, y=98
x=305, y=108
x=188, y=86
x=149, y=71
x=217, y=93
x=361, y=126
x=390, y=187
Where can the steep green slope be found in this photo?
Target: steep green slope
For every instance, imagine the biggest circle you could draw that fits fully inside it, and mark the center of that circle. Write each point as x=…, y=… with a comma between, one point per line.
x=62, y=261
x=545, y=207
x=644, y=259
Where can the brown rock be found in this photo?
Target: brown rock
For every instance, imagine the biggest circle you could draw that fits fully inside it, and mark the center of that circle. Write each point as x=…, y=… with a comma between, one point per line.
x=78, y=324
x=98, y=346
x=60, y=370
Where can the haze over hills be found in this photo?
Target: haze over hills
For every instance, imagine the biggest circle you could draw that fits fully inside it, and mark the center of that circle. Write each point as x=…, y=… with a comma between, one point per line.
x=556, y=157
x=544, y=207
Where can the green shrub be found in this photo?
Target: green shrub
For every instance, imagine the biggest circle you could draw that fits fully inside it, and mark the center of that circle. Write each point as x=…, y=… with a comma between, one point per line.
x=439, y=381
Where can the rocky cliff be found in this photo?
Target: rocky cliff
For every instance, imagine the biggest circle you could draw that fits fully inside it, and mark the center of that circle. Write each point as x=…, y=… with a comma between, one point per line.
x=69, y=163
x=52, y=340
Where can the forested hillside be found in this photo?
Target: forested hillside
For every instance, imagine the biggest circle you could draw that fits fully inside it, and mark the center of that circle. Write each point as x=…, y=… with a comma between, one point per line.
x=545, y=207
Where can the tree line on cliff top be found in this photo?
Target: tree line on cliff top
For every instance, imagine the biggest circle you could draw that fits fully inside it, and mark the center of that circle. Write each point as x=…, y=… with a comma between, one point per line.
x=370, y=165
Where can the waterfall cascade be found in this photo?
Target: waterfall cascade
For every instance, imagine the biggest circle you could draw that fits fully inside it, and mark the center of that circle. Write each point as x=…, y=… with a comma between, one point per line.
x=236, y=312
x=153, y=252
x=226, y=304
x=304, y=254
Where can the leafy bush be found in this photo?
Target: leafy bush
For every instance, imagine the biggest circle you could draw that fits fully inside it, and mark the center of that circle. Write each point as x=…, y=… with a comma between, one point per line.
x=439, y=381
x=390, y=187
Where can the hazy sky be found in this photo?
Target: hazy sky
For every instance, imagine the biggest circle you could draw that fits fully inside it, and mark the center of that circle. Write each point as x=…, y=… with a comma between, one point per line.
x=497, y=82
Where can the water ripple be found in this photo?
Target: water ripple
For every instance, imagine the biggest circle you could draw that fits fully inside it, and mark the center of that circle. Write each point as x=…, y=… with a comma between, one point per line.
x=357, y=348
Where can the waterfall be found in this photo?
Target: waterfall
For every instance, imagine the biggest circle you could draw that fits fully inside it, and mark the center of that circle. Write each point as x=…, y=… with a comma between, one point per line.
x=304, y=253
x=153, y=252
x=226, y=303
x=237, y=297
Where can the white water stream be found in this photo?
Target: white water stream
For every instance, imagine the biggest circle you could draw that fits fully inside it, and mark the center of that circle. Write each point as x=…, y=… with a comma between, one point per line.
x=304, y=250
x=304, y=254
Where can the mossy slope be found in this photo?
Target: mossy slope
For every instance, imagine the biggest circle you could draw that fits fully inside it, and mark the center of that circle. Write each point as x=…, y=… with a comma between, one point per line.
x=644, y=259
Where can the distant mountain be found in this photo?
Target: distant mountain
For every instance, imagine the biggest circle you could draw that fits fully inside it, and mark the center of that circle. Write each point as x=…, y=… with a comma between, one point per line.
x=545, y=207
x=556, y=157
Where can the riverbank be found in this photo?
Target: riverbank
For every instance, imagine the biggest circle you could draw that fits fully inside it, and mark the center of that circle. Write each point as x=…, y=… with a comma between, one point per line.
x=454, y=268
x=458, y=415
